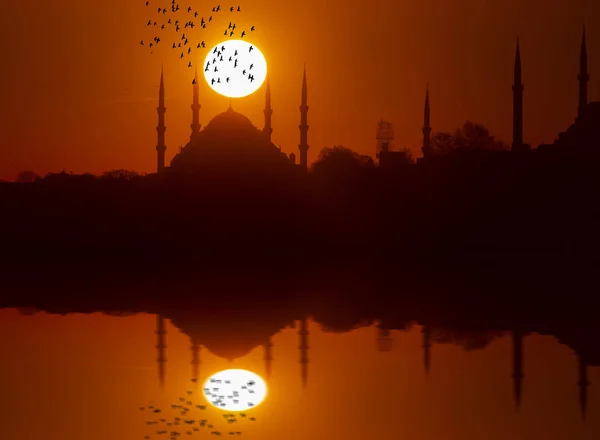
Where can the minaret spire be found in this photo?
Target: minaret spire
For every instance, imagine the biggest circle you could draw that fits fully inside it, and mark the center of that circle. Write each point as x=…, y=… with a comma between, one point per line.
x=303, y=147
x=303, y=333
x=195, y=361
x=517, y=143
x=583, y=386
x=517, y=365
x=161, y=128
x=268, y=358
x=426, y=126
x=195, y=108
x=268, y=130
x=583, y=77
x=426, y=348
x=161, y=345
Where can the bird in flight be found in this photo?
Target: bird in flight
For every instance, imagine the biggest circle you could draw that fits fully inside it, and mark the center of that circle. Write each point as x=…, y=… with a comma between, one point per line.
x=250, y=48
x=252, y=29
x=243, y=33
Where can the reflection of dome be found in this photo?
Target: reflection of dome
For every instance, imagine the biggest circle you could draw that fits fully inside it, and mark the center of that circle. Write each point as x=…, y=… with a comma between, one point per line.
x=229, y=138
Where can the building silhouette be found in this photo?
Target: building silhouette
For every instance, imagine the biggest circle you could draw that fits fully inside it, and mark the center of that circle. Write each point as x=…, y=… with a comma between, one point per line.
x=230, y=139
x=385, y=137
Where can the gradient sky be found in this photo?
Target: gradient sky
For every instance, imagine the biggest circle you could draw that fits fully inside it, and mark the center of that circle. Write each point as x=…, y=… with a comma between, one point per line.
x=79, y=93
x=85, y=376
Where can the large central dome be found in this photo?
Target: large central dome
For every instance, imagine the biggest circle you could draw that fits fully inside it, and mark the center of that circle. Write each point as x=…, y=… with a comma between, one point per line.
x=228, y=141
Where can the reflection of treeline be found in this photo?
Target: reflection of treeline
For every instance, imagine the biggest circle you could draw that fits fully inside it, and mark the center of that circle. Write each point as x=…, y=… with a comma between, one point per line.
x=485, y=205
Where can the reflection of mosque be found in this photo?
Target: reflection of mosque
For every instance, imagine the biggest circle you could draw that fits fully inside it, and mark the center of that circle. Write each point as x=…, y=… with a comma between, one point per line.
x=384, y=344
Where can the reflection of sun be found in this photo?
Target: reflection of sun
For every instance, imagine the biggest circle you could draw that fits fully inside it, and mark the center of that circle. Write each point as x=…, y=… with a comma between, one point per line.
x=235, y=390
x=235, y=68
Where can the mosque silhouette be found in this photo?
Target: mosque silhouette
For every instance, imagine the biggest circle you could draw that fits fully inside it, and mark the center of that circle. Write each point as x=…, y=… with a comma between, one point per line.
x=230, y=137
x=239, y=346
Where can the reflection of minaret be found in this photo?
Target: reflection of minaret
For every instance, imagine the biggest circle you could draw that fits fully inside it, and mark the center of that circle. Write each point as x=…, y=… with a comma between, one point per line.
x=303, y=147
x=268, y=111
x=583, y=386
x=517, y=365
x=583, y=77
x=303, y=332
x=517, y=143
x=384, y=339
x=195, y=108
x=268, y=358
x=426, y=126
x=426, y=348
x=195, y=361
x=161, y=346
x=160, y=128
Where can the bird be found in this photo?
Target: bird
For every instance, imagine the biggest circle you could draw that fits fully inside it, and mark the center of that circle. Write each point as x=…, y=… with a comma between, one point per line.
x=239, y=9
x=225, y=32
x=252, y=29
x=142, y=42
x=231, y=9
x=227, y=80
x=230, y=25
x=222, y=48
x=212, y=82
x=234, y=26
x=194, y=82
x=243, y=33
x=235, y=63
x=230, y=58
x=235, y=53
x=250, y=48
x=215, y=50
x=251, y=78
x=244, y=72
x=206, y=70
x=147, y=3
x=210, y=18
x=231, y=34
x=189, y=9
x=190, y=64
x=219, y=80
x=216, y=70
x=251, y=66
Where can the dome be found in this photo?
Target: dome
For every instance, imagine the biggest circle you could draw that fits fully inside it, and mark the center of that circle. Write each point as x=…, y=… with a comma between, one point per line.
x=228, y=140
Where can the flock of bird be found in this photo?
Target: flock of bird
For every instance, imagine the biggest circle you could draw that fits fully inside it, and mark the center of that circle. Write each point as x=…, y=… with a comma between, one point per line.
x=193, y=20
x=186, y=424
x=220, y=399
x=233, y=59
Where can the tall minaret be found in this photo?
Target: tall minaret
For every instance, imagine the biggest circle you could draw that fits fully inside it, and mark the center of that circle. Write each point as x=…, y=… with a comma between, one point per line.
x=160, y=128
x=268, y=130
x=517, y=365
x=161, y=346
x=303, y=333
x=583, y=386
x=583, y=77
x=426, y=348
x=517, y=143
x=268, y=358
x=303, y=147
x=426, y=127
x=195, y=360
x=195, y=108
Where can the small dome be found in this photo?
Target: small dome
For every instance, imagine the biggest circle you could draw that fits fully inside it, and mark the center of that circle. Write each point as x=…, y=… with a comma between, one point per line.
x=229, y=120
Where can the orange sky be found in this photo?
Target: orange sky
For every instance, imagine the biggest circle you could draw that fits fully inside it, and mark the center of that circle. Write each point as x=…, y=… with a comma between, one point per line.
x=77, y=92
x=84, y=376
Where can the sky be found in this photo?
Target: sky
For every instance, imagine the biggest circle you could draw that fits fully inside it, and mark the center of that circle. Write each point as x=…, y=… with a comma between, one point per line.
x=79, y=93
x=85, y=376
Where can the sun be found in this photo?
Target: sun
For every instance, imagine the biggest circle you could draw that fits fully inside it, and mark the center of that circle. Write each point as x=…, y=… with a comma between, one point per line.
x=235, y=68
x=235, y=390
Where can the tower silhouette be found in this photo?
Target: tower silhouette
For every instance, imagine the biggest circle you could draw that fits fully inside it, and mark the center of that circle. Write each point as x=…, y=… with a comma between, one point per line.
x=517, y=142
x=426, y=348
x=426, y=126
x=384, y=339
x=303, y=333
x=195, y=108
x=517, y=375
x=583, y=77
x=303, y=147
x=161, y=128
x=268, y=129
x=161, y=346
x=583, y=386
x=268, y=358
x=195, y=361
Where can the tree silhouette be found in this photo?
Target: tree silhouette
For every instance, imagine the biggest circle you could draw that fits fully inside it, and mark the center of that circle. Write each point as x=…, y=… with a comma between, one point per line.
x=470, y=137
x=338, y=161
x=27, y=177
x=120, y=174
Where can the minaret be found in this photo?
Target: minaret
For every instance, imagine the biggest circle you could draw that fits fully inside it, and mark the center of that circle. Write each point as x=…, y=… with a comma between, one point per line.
x=268, y=358
x=426, y=348
x=583, y=386
x=303, y=333
x=583, y=77
x=160, y=128
x=303, y=147
x=195, y=108
x=195, y=361
x=268, y=130
x=161, y=346
x=426, y=127
x=517, y=365
x=517, y=143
